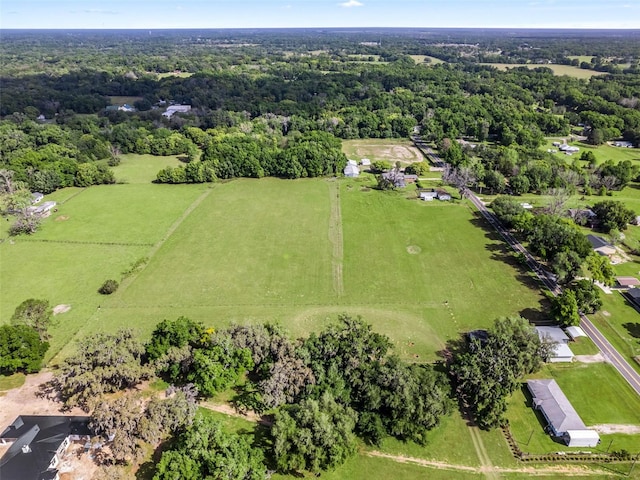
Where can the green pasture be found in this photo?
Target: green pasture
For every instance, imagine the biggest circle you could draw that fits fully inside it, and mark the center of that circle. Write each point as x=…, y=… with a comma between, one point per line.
x=135, y=168
x=568, y=70
x=583, y=346
x=422, y=60
x=602, y=153
x=276, y=250
x=599, y=395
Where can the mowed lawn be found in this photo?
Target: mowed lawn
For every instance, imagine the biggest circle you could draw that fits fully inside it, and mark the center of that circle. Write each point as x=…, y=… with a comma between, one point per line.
x=263, y=250
x=135, y=168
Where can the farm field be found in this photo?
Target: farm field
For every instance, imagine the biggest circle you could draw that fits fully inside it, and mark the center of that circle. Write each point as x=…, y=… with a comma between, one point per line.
x=295, y=252
x=568, y=70
x=387, y=149
x=602, y=153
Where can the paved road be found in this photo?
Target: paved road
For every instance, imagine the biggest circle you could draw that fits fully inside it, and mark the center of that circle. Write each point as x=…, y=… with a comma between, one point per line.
x=548, y=280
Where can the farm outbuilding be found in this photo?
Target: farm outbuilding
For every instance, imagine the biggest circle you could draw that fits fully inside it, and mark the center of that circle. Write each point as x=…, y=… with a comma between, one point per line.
x=563, y=421
x=428, y=196
x=443, y=195
x=365, y=162
x=627, y=282
x=575, y=332
x=351, y=171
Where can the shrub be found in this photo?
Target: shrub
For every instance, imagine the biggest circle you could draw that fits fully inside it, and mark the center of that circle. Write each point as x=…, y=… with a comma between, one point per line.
x=108, y=287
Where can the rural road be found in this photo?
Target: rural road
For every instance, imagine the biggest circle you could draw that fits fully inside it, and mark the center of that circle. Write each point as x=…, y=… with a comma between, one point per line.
x=547, y=279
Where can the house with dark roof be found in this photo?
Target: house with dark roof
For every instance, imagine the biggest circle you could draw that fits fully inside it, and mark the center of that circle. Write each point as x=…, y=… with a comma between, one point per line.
x=563, y=422
x=633, y=295
x=37, y=444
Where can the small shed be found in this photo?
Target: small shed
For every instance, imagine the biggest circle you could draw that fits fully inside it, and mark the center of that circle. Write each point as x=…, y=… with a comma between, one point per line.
x=582, y=438
x=410, y=178
x=365, y=162
x=443, y=195
x=36, y=197
x=575, y=332
x=352, y=162
x=428, y=196
x=351, y=171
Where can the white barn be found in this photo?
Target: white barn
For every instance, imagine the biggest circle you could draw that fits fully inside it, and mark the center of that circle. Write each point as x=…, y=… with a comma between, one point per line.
x=351, y=171
x=563, y=420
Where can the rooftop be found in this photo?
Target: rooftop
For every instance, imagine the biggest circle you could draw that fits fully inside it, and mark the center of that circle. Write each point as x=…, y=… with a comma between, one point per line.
x=43, y=435
x=557, y=408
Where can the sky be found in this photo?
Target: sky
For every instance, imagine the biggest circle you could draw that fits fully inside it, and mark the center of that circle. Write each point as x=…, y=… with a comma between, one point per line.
x=152, y=14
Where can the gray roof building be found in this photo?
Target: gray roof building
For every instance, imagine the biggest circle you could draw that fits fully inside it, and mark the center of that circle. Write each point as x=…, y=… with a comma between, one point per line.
x=563, y=420
x=37, y=443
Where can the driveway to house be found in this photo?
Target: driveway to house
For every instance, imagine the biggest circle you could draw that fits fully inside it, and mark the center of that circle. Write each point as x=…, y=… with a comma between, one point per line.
x=548, y=280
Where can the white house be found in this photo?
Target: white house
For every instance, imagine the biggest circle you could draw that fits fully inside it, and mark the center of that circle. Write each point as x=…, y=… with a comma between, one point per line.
x=622, y=144
x=351, y=171
x=428, y=196
x=555, y=335
x=568, y=148
x=563, y=420
x=176, y=109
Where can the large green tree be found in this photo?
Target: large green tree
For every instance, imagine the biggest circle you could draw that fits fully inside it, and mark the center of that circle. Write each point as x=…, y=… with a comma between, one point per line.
x=613, y=215
x=103, y=363
x=205, y=451
x=35, y=313
x=21, y=349
x=314, y=435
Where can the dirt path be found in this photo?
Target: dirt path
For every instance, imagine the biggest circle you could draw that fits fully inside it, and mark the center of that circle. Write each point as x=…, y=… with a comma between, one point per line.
x=487, y=467
x=25, y=401
x=249, y=416
x=597, y=358
x=610, y=428
x=563, y=470
x=335, y=237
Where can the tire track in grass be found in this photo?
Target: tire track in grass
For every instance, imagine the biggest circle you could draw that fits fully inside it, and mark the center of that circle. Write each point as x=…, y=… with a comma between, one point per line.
x=487, y=467
x=336, y=238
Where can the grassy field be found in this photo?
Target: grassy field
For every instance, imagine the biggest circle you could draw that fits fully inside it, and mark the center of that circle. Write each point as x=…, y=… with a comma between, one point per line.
x=388, y=149
x=420, y=60
x=295, y=252
x=142, y=168
x=568, y=70
x=602, y=152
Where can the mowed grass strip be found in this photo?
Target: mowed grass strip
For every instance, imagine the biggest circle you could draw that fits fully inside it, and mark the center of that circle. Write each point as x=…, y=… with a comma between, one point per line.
x=136, y=214
x=250, y=243
x=435, y=256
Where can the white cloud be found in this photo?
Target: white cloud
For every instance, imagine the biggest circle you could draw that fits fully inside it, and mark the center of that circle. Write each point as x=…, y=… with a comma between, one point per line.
x=351, y=3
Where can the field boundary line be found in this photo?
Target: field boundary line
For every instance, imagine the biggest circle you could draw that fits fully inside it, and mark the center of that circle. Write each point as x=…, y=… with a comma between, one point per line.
x=336, y=238
x=129, y=280
x=158, y=245
x=81, y=242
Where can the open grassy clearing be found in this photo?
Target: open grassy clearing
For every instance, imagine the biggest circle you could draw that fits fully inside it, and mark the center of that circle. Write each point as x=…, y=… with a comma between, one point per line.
x=388, y=149
x=568, y=70
x=426, y=60
x=173, y=74
x=9, y=382
x=135, y=168
x=602, y=153
x=583, y=346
